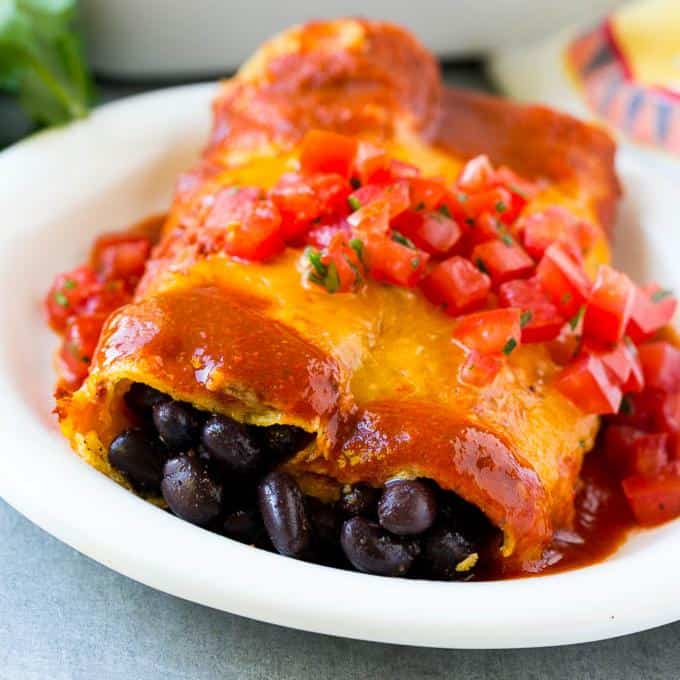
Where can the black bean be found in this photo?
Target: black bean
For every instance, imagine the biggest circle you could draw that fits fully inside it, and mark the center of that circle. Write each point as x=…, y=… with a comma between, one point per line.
x=373, y=550
x=178, y=424
x=283, y=510
x=444, y=549
x=325, y=520
x=141, y=398
x=282, y=441
x=232, y=445
x=243, y=525
x=140, y=456
x=360, y=499
x=190, y=491
x=407, y=507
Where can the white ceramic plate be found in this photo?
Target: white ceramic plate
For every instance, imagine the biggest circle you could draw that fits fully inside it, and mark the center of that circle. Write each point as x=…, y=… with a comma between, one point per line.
x=59, y=189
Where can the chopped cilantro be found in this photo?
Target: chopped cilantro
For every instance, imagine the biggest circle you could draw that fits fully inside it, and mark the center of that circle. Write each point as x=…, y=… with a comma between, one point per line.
x=415, y=262
x=501, y=207
x=659, y=295
x=470, y=221
x=509, y=346
x=69, y=283
x=462, y=197
x=354, y=202
x=355, y=183
x=357, y=245
x=325, y=275
x=420, y=206
x=582, y=443
x=565, y=298
x=444, y=210
x=314, y=257
x=525, y=318
x=61, y=299
x=505, y=236
x=400, y=238
x=481, y=266
x=576, y=319
x=626, y=407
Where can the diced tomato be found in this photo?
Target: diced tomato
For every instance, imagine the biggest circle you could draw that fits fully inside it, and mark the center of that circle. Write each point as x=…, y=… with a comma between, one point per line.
x=403, y=170
x=452, y=205
x=485, y=228
x=563, y=278
x=480, y=369
x=635, y=452
x=490, y=332
x=257, y=236
x=429, y=230
x=587, y=384
x=457, y=286
x=661, y=365
x=67, y=295
x=426, y=193
x=297, y=203
x=331, y=191
x=340, y=268
x=476, y=175
x=80, y=341
x=395, y=195
x=324, y=151
x=653, y=308
x=636, y=378
x=393, y=262
x=121, y=256
x=667, y=415
x=542, y=321
x=540, y=229
x=493, y=201
x=522, y=190
x=105, y=298
x=373, y=218
x=609, y=307
x=320, y=235
x=655, y=499
x=371, y=164
x=503, y=261
x=622, y=362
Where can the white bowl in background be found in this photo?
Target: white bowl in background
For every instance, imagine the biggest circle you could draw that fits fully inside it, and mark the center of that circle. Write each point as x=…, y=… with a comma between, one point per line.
x=176, y=38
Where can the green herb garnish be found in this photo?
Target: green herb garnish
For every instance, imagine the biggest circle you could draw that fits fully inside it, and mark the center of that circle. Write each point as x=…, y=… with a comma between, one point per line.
x=354, y=202
x=626, y=407
x=444, y=210
x=41, y=59
x=69, y=284
x=659, y=295
x=357, y=245
x=355, y=183
x=420, y=206
x=481, y=266
x=61, y=299
x=525, y=318
x=509, y=346
x=501, y=207
x=576, y=319
x=401, y=239
x=415, y=263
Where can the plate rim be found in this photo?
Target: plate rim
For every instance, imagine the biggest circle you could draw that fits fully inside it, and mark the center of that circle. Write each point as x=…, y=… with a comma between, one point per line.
x=527, y=612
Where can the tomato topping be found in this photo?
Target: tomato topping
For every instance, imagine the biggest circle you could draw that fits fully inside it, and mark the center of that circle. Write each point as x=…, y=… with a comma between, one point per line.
x=371, y=164
x=609, y=306
x=635, y=452
x=457, y=286
x=321, y=235
x=392, y=261
x=324, y=151
x=587, y=383
x=254, y=233
x=563, y=278
x=395, y=195
x=653, y=308
x=490, y=332
x=373, y=218
x=340, y=267
x=426, y=193
x=655, y=499
x=80, y=342
x=403, y=170
x=495, y=202
x=121, y=256
x=67, y=295
x=430, y=230
x=297, y=203
x=479, y=369
x=476, y=175
x=661, y=365
x=541, y=320
x=502, y=260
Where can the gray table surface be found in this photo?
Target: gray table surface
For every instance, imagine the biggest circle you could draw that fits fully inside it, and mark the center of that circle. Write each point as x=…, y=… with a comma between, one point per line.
x=66, y=617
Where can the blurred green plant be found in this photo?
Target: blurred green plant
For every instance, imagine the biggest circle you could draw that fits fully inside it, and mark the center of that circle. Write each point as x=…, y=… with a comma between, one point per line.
x=42, y=60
